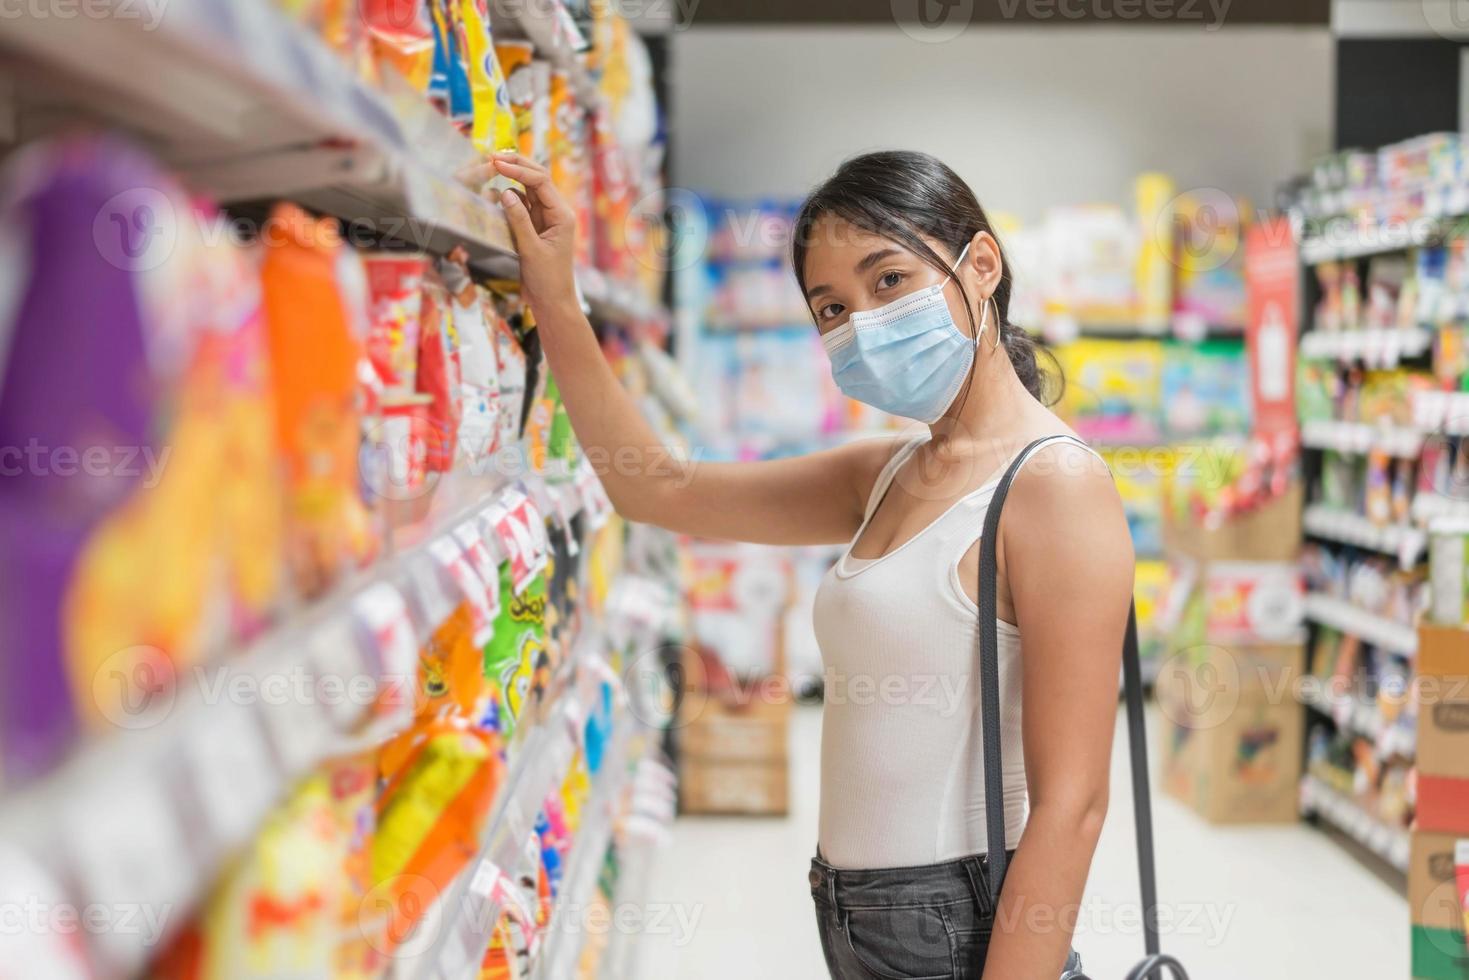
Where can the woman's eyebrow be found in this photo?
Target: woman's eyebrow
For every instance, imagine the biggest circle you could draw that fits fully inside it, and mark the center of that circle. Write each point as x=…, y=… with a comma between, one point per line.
x=815, y=291
x=875, y=257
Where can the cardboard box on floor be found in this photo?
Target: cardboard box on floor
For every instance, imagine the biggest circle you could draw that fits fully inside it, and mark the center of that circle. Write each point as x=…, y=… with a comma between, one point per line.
x=734, y=747
x=1443, y=729
x=1438, y=944
x=1231, y=731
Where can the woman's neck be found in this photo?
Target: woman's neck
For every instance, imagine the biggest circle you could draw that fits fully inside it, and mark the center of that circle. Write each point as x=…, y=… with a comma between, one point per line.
x=994, y=411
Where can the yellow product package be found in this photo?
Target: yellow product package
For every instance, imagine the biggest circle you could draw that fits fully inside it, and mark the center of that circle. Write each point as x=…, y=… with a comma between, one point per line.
x=515, y=61
x=494, y=125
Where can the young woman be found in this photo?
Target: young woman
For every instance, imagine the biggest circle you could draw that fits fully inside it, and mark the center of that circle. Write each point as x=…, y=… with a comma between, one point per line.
x=909, y=290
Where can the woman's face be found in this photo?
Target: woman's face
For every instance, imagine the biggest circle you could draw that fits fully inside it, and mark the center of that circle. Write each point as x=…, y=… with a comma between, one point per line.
x=849, y=269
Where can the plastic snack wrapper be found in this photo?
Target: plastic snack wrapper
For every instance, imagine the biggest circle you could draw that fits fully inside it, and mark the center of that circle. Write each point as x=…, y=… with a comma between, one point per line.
x=515, y=59
x=278, y=910
x=315, y=344
x=428, y=819
x=494, y=123
x=144, y=531
x=402, y=38
x=517, y=647
x=439, y=378
x=395, y=294
x=479, y=368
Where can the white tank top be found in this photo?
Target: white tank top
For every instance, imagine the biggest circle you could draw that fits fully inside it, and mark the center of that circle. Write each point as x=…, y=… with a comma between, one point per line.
x=902, y=769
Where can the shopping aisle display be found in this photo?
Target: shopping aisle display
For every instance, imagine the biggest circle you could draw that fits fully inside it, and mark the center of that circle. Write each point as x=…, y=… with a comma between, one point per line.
x=331, y=656
x=1145, y=312
x=1379, y=387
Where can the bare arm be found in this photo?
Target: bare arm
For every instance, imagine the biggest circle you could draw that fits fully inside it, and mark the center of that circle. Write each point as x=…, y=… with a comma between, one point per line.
x=1068, y=565
x=814, y=499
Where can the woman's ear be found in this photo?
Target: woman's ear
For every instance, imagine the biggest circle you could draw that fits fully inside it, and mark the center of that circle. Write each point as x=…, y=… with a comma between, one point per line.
x=983, y=263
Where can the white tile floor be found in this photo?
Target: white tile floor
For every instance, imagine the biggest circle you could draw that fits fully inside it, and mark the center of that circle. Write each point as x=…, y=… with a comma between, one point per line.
x=1268, y=903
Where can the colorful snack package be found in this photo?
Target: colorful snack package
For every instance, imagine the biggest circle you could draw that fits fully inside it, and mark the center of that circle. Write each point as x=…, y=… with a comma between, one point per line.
x=518, y=645
x=559, y=133
x=512, y=370
x=451, y=682
x=540, y=119
x=494, y=123
x=401, y=36
x=428, y=819
x=277, y=910
x=45, y=522
x=315, y=346
x=478, y=365
x=439, y=377
x=515, y=61
x=395, y=297
x=452, y=94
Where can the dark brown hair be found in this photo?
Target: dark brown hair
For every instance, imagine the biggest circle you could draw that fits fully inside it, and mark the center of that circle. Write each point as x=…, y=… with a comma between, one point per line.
x=911, y=197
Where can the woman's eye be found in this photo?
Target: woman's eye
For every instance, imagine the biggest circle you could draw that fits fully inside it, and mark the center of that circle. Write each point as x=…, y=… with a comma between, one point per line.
x=889, y=280
x=830, y=311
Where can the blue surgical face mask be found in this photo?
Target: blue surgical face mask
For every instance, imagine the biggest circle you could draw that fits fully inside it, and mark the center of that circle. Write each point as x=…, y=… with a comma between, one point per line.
x=907, y=358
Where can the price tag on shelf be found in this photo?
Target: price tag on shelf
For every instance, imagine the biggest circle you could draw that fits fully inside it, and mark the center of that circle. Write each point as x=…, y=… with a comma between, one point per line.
x=564, y=499
x=486, y=877
x=455, y=564
x=229, y=771
x=432, y=592
x=392, y=645
x=542, y=494
x=126, y=848
x=336, y=696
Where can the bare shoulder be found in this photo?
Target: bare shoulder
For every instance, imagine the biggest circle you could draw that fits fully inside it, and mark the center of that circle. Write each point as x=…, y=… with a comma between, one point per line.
x=1063, y=505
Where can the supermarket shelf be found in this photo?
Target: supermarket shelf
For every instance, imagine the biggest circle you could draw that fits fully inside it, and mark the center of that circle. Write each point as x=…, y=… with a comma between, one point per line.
x=614, y=301
x=1362, y=717
x=1342, y=615
x=456, y=947
x=1387, y=842
x=1404, y=541
x=1445, y=413
x=1429, y=507
x=1362, y=437
x=246, y=105
x=1372, y=347
x=1354, y=242
x=563, y=940
x=1356, y=714
x=213, y=762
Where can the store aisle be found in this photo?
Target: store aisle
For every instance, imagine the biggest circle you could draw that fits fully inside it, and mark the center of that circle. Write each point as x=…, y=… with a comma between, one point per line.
x=1259, y=903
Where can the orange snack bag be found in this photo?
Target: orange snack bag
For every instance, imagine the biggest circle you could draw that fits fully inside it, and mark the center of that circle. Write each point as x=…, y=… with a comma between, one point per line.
x=315, y=346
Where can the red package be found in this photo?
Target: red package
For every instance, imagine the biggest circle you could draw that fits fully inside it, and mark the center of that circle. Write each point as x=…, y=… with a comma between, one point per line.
x=439, y=378
x=395, y=290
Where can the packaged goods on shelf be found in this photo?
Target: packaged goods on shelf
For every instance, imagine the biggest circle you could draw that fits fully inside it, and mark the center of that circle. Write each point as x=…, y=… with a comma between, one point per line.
x=1113, y=390
x=348, y=465
x=1173, y=263
x=1422, y=176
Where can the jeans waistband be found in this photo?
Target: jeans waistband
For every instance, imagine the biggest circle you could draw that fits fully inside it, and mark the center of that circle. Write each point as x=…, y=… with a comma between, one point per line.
x=962, y=879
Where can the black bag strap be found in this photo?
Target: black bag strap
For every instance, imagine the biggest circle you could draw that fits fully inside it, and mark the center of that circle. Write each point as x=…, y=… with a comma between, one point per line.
x=989, y=681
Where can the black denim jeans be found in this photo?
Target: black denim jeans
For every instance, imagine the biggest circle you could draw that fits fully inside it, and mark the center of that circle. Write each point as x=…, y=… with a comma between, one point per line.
x=931, y=922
